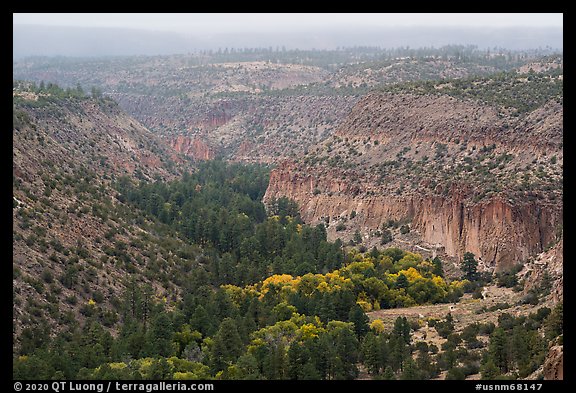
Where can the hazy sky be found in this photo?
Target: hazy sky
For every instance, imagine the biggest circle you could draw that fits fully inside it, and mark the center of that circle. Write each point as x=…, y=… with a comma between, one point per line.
x=250, y=22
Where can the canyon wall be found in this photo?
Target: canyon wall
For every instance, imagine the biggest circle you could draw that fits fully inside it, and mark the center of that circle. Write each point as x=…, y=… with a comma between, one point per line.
x=466, y=176
x=193, y=147
x=500, y=233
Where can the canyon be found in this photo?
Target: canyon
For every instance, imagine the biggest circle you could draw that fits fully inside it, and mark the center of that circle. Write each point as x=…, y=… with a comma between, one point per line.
x=437, y=156
x=443, y=205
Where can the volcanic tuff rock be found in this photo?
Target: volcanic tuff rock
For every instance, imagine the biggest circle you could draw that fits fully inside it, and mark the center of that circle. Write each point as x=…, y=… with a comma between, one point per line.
x=547, y=266
x=457, y=171
x=554, y=364
x=194, y=147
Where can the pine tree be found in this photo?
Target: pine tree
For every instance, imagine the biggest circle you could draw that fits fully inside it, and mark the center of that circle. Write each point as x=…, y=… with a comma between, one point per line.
x=343, y=361
x=360, y=320
x=370, y=353
x=520, y=349
x=455, y=373
x=554, y=325
x=410, y=372
x=426, y=365
x=389, y=374
x=469, y=266
x=275, y=365
x=357, y=237
x=438, y=270
x=296, y=360
x=497, y=349
x=227, y=346
x=160, y=335
x=160, y=369
x=402, y=329
x=309, y=372
x=201, y=322
x=489, y=370
x=248, y=367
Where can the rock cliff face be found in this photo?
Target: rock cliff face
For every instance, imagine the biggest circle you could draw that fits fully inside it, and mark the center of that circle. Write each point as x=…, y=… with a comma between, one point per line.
x=548, y=266
x=193, y=147
x=554, y=364
x=441, y=199
x=498, y=232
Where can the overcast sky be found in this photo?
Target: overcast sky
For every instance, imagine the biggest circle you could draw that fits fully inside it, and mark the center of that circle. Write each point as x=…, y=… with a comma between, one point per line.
x=250, y=22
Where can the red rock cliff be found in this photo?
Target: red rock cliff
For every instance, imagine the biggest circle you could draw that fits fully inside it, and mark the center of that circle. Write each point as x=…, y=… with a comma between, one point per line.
x=193, y=147
x=498, y=232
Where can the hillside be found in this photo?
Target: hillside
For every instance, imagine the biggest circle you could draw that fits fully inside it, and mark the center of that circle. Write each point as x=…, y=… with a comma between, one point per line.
x=241, y=104
x=75, y=242
x=464, y=174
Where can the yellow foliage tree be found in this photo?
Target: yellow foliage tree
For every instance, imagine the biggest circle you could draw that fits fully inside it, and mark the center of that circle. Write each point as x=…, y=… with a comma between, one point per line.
x=310, y=331
x=411, y=274
x=377, y=325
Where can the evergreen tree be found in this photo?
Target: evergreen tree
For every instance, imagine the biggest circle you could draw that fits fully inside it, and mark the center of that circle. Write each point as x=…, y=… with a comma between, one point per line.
x=309, y=372
x=360, y=320
x=276, y=363
x=389, y=374
x=201, y=321
x=554, y=325
x=160, y=369
x=371, y=355
x=498, y=349
x=438, y=269
x=410, y=371
x=489, y=371
x=426, y=365
x=160, y=335
x=519, y=345
x=227, y=345
x=455, y=373
x=343, y=362
x=402, y=329
x=297, y=358
x=248, y=367
x=386, y=237
x=401, y=281
x=357, y=239
x=469, y=266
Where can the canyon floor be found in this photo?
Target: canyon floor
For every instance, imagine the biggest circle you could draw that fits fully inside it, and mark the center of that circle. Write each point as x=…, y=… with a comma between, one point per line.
x=465, y=312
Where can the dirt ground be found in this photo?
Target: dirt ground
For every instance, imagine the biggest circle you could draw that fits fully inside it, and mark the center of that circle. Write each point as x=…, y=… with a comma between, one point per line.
x=464, y=313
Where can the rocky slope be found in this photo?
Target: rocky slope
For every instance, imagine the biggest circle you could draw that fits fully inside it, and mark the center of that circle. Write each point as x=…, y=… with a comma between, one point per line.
x=264, y=106
x=465, y=175
x=554, y=365
x=86, y=132
x=74, y=240
x=246, y=128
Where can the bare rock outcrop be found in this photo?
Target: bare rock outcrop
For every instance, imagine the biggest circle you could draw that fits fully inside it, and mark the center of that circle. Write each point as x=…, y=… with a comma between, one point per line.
x=193, y=147
x=554, y=363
